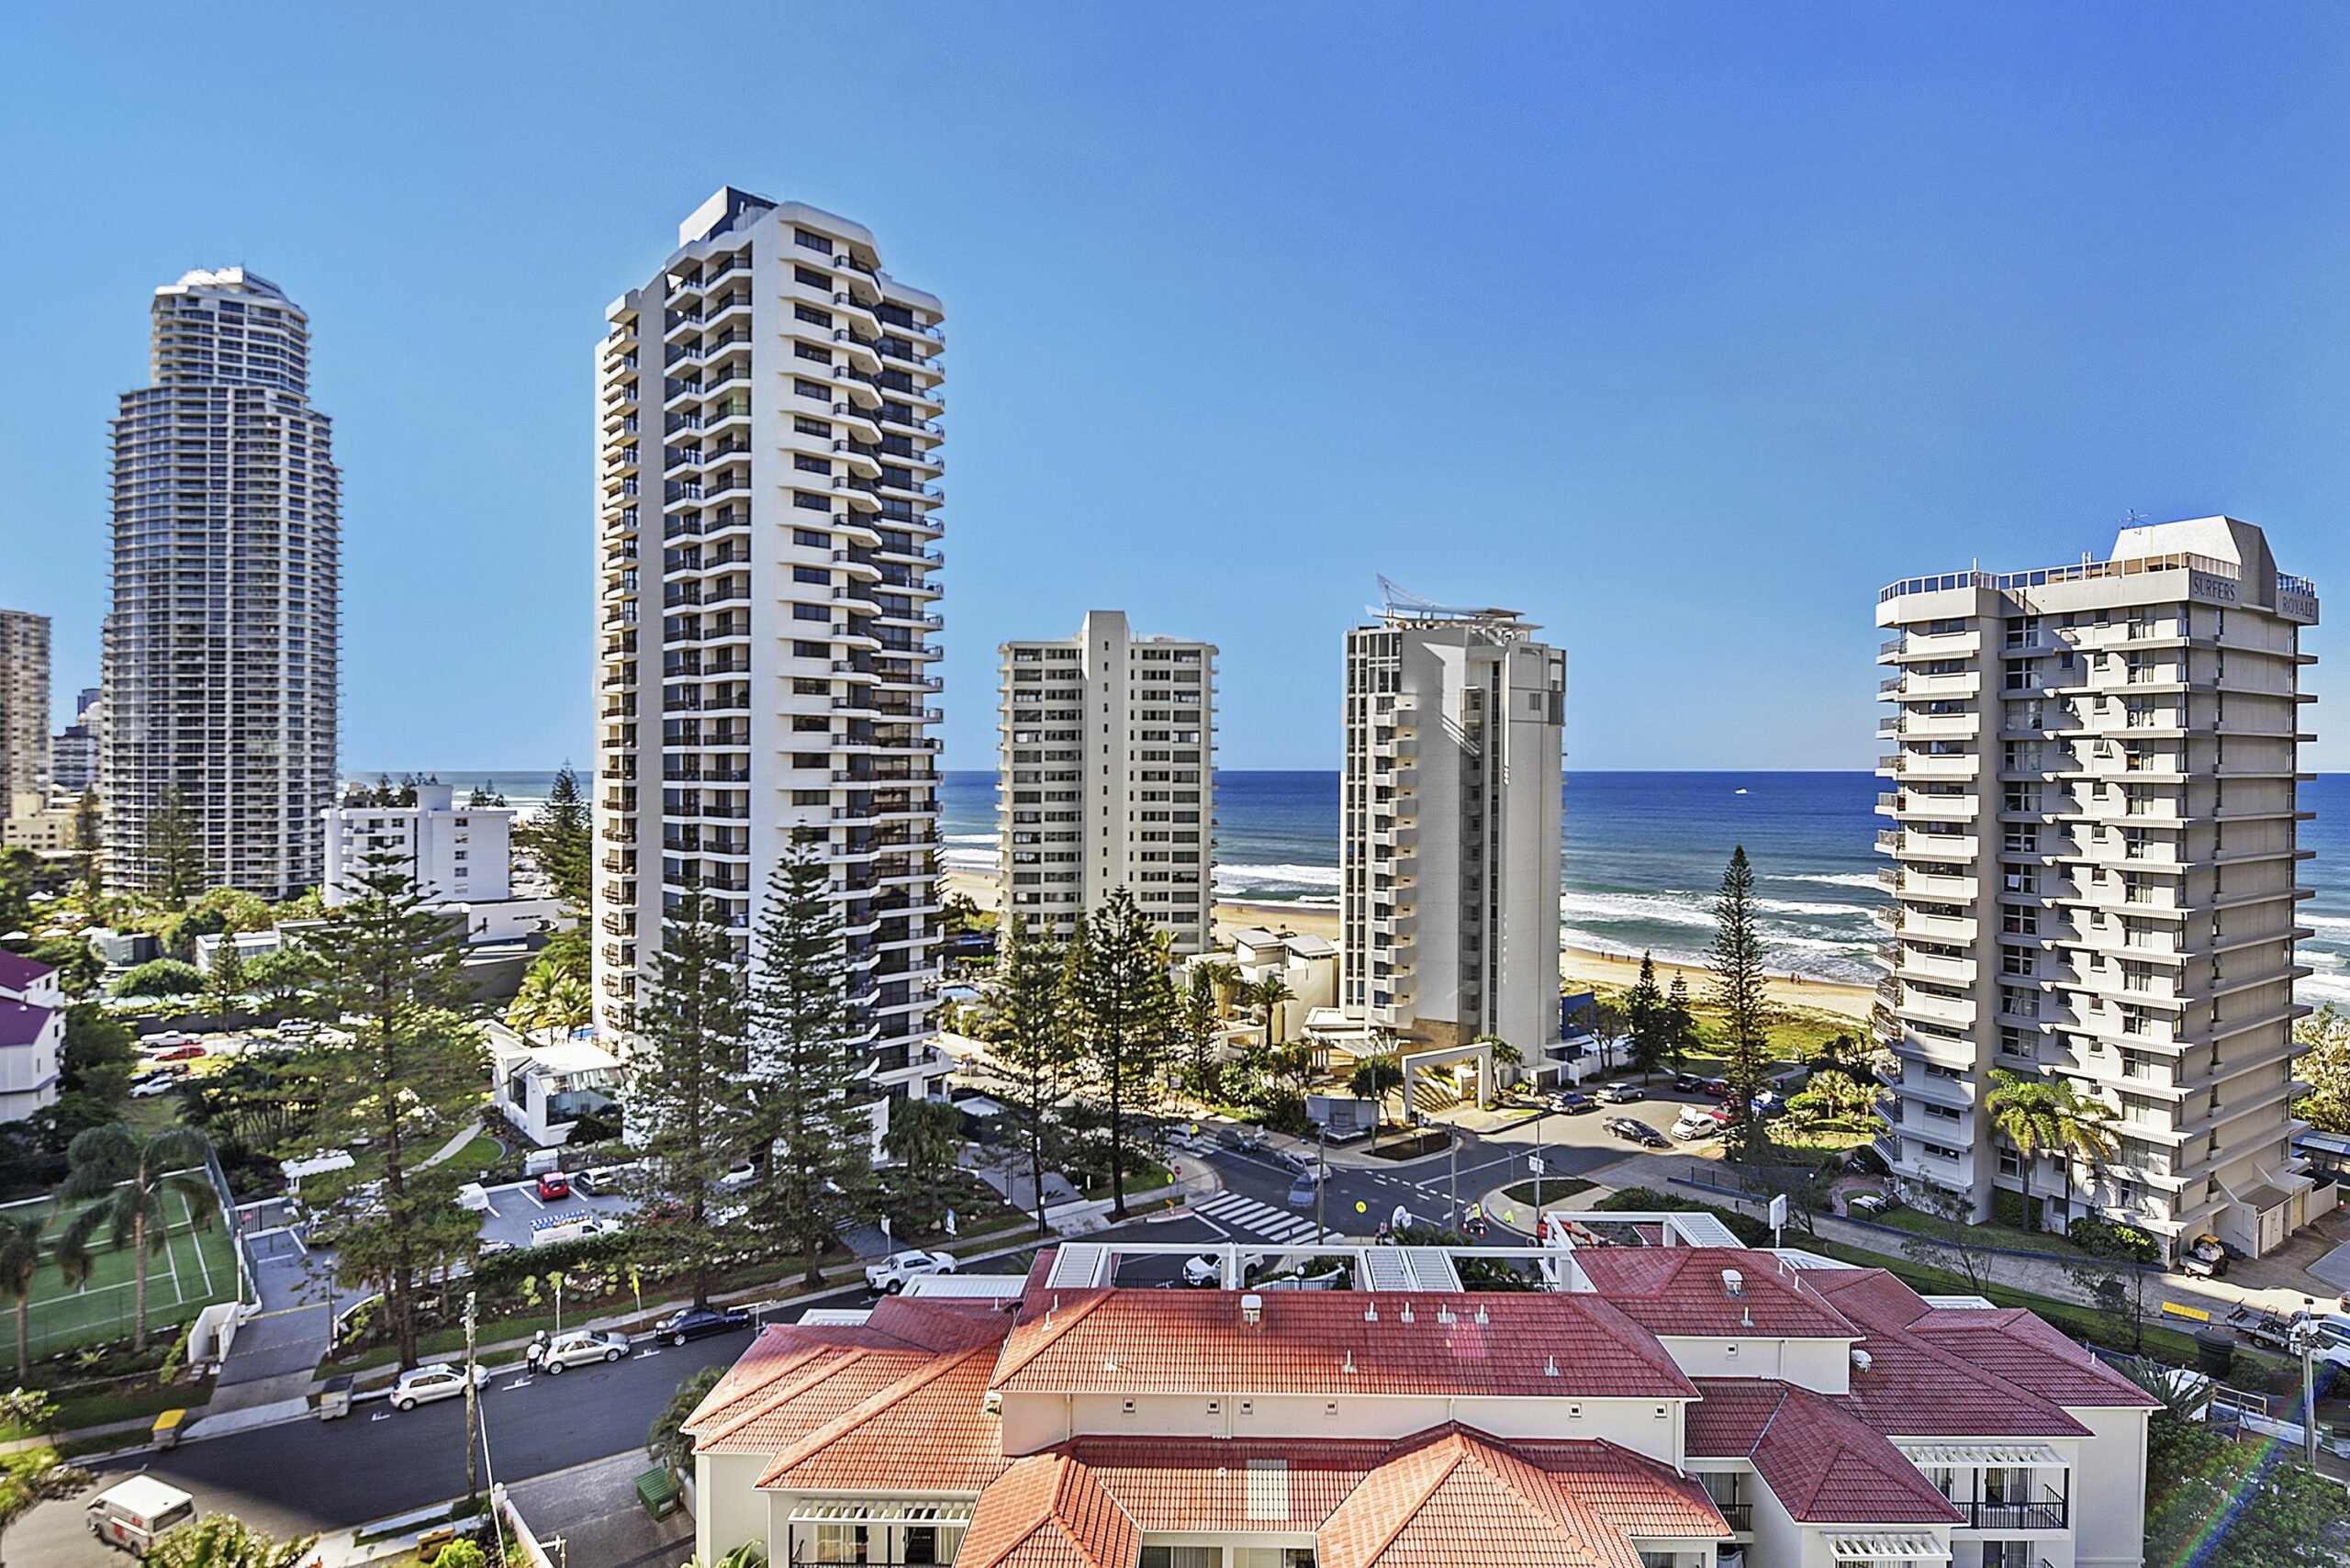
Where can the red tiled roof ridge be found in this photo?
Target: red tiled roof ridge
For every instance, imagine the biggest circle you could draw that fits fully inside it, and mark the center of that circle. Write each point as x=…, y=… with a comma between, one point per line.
x=1924, y=1345
x=770, y=1396
x=2029, y=1328
x=1401, y=1517
x=1057, y=1506
x=874, y=1405
x=1047, y=1332
x=762, y=1377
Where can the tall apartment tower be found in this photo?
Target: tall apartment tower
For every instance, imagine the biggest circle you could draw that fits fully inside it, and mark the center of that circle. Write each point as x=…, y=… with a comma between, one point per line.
x=24, y=713
x=1108, y=779
x=222, y=650
x=1449, y=827
x=2094, y=876
x=768, y=408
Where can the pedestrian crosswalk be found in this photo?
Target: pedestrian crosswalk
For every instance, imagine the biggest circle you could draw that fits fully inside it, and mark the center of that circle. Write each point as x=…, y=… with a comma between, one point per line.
x=1259, y=1220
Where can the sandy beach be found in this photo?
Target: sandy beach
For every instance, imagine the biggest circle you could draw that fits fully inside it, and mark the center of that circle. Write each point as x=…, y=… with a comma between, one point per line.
x=1575, y=964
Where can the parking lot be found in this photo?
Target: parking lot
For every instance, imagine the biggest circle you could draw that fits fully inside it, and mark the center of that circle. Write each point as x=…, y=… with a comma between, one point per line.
x=515, y=1207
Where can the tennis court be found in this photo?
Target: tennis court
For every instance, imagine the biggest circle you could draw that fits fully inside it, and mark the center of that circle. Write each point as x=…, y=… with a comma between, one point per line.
x=192, y=1270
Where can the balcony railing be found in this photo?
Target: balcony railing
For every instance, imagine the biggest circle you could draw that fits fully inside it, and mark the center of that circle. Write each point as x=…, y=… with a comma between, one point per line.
x=1738, y=1516
x=2051, y=1513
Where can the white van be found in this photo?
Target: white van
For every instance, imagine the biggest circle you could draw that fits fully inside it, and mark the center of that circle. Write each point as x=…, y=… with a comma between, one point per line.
x=132, y=1514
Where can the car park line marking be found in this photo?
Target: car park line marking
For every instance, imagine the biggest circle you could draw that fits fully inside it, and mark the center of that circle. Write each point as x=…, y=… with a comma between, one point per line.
x=648, y=1351
x=533, y=1197
x=381, y=1415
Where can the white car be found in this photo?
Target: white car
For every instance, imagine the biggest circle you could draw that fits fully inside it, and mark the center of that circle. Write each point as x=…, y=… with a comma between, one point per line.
x=577, y=1347
x=889, y=1275
x=169, y=1040
x=154, y=1086
x=434, y=1379
x=1694, y=1125
x=1207, y=1268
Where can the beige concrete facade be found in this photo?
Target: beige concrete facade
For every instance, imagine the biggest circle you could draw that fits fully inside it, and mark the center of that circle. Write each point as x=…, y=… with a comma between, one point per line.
x=1108, y=779
x=768, y=409
x=24, y=713
x=2094, y=873
x=1451, y=823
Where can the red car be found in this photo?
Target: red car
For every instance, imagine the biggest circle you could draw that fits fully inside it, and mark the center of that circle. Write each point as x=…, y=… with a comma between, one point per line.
x=180, y=1053
x=1716, y=1087
x=552, y=1185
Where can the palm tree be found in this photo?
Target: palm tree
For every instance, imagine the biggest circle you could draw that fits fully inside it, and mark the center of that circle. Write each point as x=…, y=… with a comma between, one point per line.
x=2025, y=1108
x=123, y=1179
x=2084, y=1132
x=20, y=1261
x=551, y=999
x=667, y=1444
x=1224, y=978
x=1268, y=993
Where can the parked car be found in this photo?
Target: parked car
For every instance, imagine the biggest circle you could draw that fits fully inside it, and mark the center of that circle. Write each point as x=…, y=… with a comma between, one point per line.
x=297, y=1028
x=554, y=1186
x=602, y=1181
x=1621, y=1093
x=434, y=1379
x=167, y=1039
x=1694, y=1124
x=147, y=1088
x=1871, y=1204
x=181, y=1053
x=575, y=1348
x=1207, y=1268
x=1863, y=1160
x=491, y=1246
x=1638, y=1132
x=1574, y=1101
x=893, y=1272
x=697, y=1322
x=1687, y=1083
x=1716, y=1087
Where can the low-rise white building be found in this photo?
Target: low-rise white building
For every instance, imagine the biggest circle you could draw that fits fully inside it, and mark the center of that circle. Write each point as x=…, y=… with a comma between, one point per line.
x=1677, y=1405
x=544, y=1087
x=454, y=853
x=32, y=1033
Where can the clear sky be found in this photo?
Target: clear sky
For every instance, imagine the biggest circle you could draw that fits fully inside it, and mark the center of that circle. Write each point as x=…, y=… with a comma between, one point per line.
x=1680, y=327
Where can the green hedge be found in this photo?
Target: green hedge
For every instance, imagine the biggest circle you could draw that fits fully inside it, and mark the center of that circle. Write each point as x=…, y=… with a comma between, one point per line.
x=1749, y=1231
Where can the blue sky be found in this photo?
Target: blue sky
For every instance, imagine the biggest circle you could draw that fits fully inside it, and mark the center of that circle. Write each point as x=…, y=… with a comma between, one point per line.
x=1680, y=327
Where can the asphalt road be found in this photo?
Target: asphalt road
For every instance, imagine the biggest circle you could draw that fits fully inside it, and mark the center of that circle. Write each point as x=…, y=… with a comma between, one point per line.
x=312, y=1476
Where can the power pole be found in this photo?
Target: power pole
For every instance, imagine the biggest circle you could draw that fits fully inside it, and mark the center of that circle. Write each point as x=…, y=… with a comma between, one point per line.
x=1321, y=1180
x=473, y=1410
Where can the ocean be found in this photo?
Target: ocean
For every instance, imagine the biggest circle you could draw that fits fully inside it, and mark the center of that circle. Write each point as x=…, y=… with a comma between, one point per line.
x=1644, y=853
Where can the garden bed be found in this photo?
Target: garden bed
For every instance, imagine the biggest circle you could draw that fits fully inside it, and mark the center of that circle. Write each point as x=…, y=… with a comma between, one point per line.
x=1417, y=1147
x=1553, y=1189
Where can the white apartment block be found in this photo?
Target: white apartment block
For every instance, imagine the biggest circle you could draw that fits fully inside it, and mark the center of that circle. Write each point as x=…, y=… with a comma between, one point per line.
x=769, y=410
x=222, y=647
x=1108, y=779
x=24, y=713
x=454, y=853
x=1450, y=818
x=2094, y=874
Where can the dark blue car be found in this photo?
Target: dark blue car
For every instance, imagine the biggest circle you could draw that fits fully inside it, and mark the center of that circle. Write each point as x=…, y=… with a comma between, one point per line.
x=699, y=1322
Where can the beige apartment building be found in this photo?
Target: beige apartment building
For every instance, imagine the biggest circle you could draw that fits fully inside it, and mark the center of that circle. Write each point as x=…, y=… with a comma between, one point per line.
x=1449, y=828
x=768, y=409
x=24, y=713
x=2093, y=875
x=1108, y=779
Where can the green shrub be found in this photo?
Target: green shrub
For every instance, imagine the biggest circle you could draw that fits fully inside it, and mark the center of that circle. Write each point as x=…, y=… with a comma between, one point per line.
x=503, y=1273
x=2092, y=1233
x=2006, y=1208
x=161, y=976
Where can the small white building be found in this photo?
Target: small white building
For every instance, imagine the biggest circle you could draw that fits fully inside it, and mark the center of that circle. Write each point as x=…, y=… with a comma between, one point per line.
x=249, y=944
x=32, y=1032
x=543, y=1087
x=1307, y=965
x=456, y=854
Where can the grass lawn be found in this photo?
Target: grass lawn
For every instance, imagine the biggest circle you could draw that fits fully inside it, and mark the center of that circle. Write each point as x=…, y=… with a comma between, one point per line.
x=479, y=1155
x=1146, y=1175
x=193, y=1269
x=1919, y=1223
x=1796, y=1033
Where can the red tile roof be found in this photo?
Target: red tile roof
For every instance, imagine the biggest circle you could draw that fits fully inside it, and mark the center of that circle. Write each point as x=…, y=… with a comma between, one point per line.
x=1824, y=1464
x=933, y=1421
x=1914, y=1386
x=1146, y=1341
x=1216, y=1483
x=2030, y=1353
x=1679, y=1290
x=1453, y=1497
x=801, y=1388
x=1048, y=1511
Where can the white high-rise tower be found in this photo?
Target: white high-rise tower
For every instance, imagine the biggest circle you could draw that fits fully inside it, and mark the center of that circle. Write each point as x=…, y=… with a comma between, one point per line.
x=2095, y=848
x=222, y=650
x=768, y=406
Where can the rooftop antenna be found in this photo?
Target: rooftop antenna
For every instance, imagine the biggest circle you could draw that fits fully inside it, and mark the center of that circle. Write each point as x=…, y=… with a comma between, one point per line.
x=2133, y=518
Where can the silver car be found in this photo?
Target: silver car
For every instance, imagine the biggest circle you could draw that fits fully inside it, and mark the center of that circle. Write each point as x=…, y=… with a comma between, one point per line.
x=435, y=1379
x=574, y=1346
